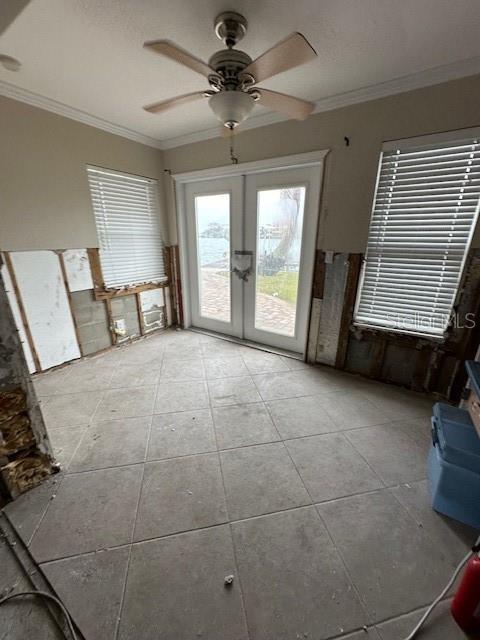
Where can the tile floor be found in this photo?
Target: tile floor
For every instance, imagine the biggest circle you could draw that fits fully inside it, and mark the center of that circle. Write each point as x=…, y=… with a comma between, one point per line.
x=187, y=458
x=22, y=618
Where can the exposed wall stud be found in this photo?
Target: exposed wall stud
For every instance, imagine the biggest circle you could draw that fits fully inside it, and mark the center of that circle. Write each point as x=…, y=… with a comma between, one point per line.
x=354, y=267
x=96, y=269
x=319, y=275
x=178, y=284
x=168, y=257
x=111, y=324
x=141, y=321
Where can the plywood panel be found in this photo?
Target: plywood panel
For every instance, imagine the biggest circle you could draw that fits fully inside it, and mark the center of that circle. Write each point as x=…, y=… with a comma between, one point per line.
x=77, y=266
x=18, y=319
x=41, y=286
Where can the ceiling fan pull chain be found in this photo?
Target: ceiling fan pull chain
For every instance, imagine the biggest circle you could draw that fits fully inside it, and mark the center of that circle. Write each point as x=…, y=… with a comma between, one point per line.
x=233, y=157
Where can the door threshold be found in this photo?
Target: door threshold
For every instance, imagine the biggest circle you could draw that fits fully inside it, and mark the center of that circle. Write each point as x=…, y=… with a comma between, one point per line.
x=249, y=343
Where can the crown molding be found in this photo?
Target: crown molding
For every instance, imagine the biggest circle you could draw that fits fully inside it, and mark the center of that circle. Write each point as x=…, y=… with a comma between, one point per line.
x=429, y=77
x=426, y=78
x=36, y=100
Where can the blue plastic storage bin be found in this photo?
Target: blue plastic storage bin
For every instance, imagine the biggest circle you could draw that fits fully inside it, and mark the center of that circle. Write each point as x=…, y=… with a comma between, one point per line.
x=454, y=465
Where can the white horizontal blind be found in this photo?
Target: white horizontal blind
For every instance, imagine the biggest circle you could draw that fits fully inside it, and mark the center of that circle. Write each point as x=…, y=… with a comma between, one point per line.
x=424, y=214
x=128, y=224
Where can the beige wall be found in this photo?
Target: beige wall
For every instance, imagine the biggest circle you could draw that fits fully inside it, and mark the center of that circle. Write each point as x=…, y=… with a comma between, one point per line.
x=350, y=171
x=44, y=195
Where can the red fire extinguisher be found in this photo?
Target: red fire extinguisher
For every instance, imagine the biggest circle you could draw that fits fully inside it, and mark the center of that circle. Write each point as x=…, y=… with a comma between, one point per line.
x=466, y=604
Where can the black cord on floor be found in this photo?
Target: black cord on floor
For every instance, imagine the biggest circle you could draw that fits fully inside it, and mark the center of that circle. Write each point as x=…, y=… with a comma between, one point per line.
x=44, y=594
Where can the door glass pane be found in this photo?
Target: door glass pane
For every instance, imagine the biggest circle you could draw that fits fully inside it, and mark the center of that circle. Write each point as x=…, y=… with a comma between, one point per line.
x=279, y=244
x=212, y=216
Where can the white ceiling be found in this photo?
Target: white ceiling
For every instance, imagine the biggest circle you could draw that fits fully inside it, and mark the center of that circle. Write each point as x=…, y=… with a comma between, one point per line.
x=88, y=55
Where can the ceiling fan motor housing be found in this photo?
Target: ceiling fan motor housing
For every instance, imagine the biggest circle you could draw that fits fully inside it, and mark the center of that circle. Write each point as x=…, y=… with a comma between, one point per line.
x=228, y=64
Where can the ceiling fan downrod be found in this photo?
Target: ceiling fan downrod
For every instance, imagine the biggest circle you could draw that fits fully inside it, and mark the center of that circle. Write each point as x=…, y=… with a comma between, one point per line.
x=230, y=27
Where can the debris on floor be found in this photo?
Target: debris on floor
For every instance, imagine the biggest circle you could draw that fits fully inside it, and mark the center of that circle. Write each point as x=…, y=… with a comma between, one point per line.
x=228, y=580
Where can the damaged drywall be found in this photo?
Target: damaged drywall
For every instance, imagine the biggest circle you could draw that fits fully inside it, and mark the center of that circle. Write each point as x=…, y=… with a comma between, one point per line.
x=418, y=363
x=61, y=315
x=77, y=266
x=40, y=282
x=26, y=456
x=153, y=309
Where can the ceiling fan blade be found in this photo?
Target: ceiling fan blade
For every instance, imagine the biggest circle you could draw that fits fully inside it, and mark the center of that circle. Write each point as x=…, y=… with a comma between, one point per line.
x=288, y=105
x=164, y=105
x=170, y=50
x=286, y=54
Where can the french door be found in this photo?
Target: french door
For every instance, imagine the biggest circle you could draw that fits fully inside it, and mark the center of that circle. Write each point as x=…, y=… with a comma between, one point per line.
x=250, y=244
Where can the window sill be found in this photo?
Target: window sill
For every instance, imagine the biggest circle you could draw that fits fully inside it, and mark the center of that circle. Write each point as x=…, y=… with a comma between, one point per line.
x=400, y=334
x=105, y=293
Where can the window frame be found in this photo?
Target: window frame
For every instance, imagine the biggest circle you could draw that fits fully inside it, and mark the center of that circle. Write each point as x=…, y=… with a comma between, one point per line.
x=101, y=291
x=410, y=144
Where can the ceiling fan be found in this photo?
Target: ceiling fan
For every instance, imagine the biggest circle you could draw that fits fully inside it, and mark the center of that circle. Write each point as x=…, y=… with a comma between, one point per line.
x=232, y=75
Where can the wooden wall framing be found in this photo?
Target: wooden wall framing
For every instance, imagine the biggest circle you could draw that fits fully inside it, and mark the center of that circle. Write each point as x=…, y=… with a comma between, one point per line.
x=353, y=275
x=435, y=366
x=101, y=292
x=173, y=257
x=23, y=313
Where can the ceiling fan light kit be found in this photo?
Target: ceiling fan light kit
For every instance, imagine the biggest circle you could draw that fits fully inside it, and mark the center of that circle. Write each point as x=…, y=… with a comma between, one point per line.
x=231, y=107
x=232, y=75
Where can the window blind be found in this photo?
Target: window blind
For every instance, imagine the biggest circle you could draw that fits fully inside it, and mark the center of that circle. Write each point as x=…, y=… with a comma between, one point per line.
x=424, y=214
x=128, y=225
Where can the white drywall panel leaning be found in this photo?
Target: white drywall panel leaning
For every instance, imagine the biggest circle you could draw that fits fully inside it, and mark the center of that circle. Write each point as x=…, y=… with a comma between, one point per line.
x=40, y=282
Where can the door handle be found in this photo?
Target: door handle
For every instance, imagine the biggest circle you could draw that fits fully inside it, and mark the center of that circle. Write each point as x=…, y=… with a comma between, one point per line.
x=242, y=264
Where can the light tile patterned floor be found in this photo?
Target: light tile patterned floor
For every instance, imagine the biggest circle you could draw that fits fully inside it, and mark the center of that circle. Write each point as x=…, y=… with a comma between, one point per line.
x=187, y=458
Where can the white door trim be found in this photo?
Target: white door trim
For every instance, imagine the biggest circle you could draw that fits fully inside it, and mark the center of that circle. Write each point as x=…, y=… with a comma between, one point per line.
x=312, y=158
x=284, y=162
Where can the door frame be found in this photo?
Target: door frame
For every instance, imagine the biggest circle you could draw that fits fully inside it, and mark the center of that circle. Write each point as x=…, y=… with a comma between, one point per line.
x=310, y=159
